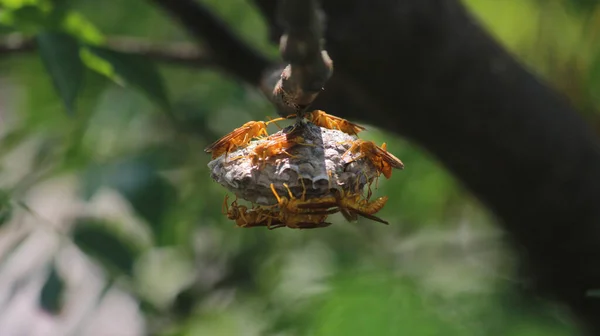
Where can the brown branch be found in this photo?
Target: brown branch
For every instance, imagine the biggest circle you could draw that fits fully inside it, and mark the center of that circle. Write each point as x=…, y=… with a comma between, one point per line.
x=230, y=53
x=182, y=53
x=295, y=87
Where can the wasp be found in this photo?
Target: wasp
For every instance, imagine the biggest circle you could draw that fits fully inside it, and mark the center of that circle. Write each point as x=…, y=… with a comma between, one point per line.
x=294, y=217
x=239, y=137
x=322, y=119
x=275, y=145
x=245, y=217
x=383, y=160
x=351, y=205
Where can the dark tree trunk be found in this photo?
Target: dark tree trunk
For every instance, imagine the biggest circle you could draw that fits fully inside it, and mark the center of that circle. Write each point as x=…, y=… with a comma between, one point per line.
x=426, y=70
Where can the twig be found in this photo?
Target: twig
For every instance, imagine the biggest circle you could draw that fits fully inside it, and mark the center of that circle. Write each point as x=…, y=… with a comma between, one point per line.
x=182, y=53
x=16, y=44
x=309, y=66
x=230, y=53
x=175, y=53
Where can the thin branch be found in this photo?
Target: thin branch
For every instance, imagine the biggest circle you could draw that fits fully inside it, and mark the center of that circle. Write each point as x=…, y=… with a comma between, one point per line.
x=230, y=53
x=16, y=44
x=174, y=53
x=309, y=66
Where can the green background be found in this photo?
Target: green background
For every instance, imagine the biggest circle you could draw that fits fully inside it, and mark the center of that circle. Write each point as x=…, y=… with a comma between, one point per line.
x=105, y=152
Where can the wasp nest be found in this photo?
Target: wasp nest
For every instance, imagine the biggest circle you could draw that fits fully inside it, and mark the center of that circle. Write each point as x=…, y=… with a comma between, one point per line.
x=317, y=163
x=299, y=175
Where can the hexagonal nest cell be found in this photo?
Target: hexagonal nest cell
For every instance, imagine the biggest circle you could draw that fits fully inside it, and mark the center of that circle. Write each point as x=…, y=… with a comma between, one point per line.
x=316, y=165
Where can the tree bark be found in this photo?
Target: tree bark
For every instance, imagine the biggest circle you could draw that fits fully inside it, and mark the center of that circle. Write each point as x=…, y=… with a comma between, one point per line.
x=426, y=70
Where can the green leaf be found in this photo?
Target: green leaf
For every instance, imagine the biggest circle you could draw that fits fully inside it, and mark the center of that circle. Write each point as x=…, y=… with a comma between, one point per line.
x=51, y=295
x=13, y=4
x=78, y=25
x=138, y=72
x=100, y=65
x=60, y=55
x=27, y=19
x=96, y=239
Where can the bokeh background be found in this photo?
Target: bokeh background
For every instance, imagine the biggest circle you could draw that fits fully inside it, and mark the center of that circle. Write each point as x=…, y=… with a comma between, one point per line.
x=112, y=226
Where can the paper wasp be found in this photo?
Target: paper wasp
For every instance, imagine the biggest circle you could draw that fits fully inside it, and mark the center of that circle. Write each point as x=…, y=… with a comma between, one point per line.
x=275, y=145
x=351, y=205
x=294, y=217
x=383, y=160
x=245, y=217
x=322, y=119
x=239, y=137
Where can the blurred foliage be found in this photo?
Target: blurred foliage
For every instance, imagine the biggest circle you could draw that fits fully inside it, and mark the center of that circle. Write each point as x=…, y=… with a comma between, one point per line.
x=129, y=132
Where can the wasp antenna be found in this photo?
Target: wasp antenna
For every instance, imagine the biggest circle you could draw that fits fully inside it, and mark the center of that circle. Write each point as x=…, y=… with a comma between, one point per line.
x=274, y=121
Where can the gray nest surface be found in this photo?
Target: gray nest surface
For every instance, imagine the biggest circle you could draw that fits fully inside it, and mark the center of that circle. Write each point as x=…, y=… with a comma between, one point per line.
x=319, y=165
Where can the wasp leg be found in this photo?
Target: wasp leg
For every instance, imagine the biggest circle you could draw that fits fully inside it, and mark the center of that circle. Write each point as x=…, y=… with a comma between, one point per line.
x=283, y=151
x=351, y=150
x=289, y=191
x=276, y=194
x=225, y=206
x=369, y=192
x=303, y=189
x=274, y=121
x=234, y=158
x=244, y=219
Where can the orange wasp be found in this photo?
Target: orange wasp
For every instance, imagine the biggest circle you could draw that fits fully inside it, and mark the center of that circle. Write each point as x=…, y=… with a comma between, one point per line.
x=245, y=217
x=294, y=217
x=239, y=137
x=383, y=160
x=351, y=206
x=322, y=119
x=275, y=145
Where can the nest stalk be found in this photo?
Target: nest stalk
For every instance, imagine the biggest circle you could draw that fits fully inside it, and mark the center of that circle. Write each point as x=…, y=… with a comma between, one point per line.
x=293, y=88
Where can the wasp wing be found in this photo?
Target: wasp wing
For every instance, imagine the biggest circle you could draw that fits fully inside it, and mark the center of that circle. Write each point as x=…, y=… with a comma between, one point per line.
x=313, y=225
x=371, y=217
x=389, y=158
x=238, y=132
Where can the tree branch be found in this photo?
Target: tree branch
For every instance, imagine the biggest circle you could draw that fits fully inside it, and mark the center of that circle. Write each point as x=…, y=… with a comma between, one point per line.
x=174, y=53
x=232, y=54
x=309, y=66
